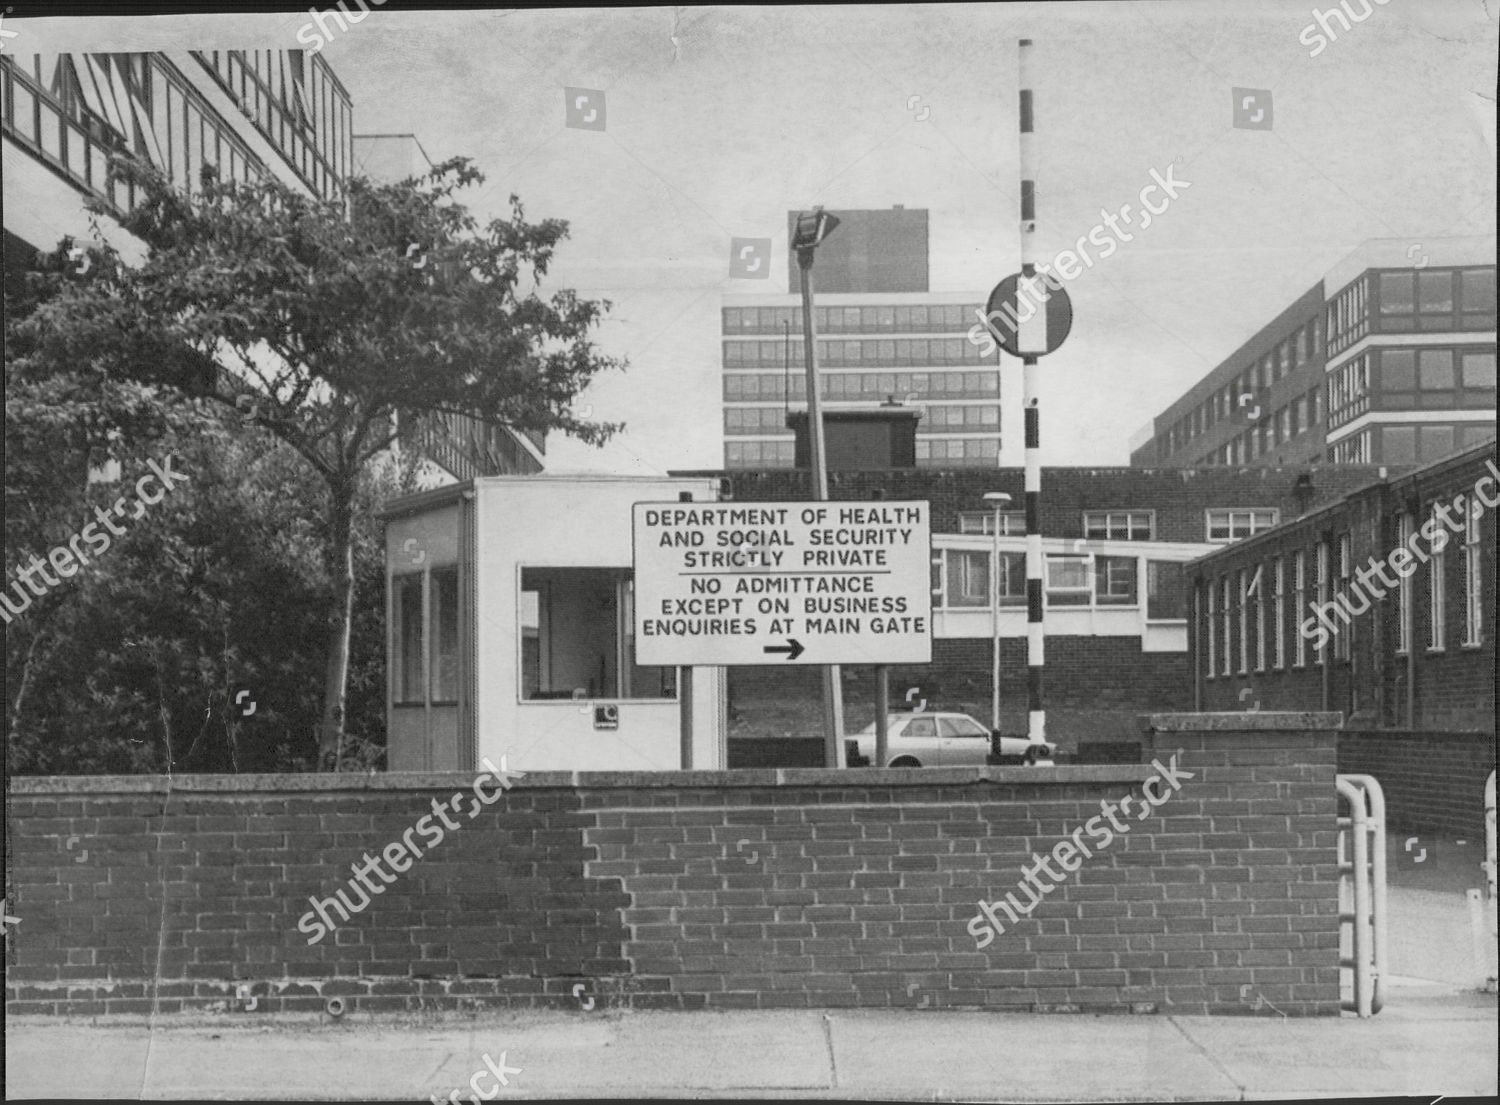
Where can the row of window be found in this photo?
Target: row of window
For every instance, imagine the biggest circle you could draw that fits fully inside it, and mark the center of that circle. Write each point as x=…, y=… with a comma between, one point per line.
x=968, y=449
x=1412, y=300
x=297, y=103
x=955, y=418
x=961, y=579
x=1247, y=390
x=74, y=110
x=874, y=386
x=1221, y=524
x=891, y=319
x=1302, y=415
x=1407, y=444
x=1246, y=613
x=930, y=453
x=1429, y=300
x=907, y=352
x=1269, y=429
x=1411, y=379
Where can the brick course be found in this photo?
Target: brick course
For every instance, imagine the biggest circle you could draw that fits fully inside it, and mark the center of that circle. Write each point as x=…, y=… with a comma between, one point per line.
x=759, y=889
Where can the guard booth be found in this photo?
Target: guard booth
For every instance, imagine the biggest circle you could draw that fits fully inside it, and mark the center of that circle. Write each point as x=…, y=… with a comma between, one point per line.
x=510, y=631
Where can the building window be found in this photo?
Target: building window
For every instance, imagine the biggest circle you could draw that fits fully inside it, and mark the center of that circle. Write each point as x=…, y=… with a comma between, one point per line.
x=1069, y=582
x=1323, y=584
x=1341, y=642
x=1244, y=618
x=1166, y=591
x=1115, y=581
x=1120, y=525
x=1258, y=593
x=1473, y=576
x=1477, y=299
x=1012, y=522
x=445, y=654
x=1227, y=659
x=1213, y=628
x=1299, y=604
x=1437, y=588
x=1278, y=619
x=1225, y=525
x=409, y=683
x=1404, y=526
x=577, y=630
x=968, y=578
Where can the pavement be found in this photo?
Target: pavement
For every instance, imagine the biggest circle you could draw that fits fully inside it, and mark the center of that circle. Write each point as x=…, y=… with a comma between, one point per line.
x=1435, y=1036
x=1429, y=1040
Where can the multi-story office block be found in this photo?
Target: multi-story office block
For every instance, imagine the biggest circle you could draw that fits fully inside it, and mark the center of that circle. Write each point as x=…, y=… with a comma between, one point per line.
x=871, y=349
x=240, y=114
x=1389, y=359
x=882, y=337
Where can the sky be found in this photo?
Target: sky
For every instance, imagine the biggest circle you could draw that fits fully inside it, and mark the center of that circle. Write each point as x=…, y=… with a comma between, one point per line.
x=720, y=120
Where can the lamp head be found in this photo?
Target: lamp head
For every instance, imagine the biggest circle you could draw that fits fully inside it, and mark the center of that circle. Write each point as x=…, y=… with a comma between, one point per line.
x=812, y=228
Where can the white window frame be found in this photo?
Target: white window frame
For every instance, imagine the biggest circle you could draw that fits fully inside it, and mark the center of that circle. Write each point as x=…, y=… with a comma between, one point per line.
x=963, y=580
x=1062, y=560
x=1251, y=520
x=1299, y=604
x=1473, y=578
x=1012, y=522
x=1117, y=525
x=1278, y=616
x=1260, y=616
x=1324, y=555
x=1342, y=642
x=1404, y=525
x=1213, y=627
x=1228, y=658
x=1244, y=634
x=1437, y=591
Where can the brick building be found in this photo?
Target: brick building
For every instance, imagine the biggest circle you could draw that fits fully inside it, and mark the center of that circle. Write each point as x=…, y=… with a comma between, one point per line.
x=1116, y=541
x=1292, y=619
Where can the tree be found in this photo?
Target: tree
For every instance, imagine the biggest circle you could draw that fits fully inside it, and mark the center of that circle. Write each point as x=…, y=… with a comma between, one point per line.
x=329, y=324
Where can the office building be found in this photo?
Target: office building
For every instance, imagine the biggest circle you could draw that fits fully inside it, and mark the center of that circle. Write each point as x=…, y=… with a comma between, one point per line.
x=882, y=336
x=243, y=114
x=1388, y=359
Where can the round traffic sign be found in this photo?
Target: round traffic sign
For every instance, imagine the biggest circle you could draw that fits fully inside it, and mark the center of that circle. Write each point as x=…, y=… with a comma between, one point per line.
x=1007, y=315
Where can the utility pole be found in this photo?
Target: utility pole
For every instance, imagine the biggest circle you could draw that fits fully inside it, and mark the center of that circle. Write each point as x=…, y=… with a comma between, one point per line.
x=810, y=232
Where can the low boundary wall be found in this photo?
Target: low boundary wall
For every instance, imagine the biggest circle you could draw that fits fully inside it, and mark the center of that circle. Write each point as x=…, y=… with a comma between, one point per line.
x=1433, y=781
x=758, y=889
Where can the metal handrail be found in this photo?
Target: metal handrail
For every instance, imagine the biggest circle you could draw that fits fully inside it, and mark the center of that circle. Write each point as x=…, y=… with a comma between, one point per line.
x=1366, y=825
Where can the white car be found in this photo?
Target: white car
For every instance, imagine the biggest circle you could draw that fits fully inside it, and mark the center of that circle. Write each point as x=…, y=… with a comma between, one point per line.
x=942, y=740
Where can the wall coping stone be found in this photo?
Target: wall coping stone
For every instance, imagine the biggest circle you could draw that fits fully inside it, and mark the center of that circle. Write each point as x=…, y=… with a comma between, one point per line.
x=1257, y=721
x=1066, y=774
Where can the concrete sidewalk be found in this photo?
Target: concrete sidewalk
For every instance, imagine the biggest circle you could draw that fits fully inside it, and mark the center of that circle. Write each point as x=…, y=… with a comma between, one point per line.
x=1431, y=1039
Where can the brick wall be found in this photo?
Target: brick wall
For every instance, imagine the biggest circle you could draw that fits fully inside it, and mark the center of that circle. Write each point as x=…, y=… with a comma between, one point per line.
x=1178, y=496
x=1368, y=677
x=691, y=889
x=1431, y=781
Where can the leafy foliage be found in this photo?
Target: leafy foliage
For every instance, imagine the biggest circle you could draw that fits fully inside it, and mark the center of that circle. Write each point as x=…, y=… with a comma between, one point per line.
x=276, y=342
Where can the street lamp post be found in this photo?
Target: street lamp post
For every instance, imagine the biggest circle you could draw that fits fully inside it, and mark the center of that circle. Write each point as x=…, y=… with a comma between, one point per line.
x=998, y=500
x=811, y=230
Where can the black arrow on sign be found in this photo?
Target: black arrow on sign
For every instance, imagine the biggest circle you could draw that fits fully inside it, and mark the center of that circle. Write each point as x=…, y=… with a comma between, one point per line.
x=792, y=648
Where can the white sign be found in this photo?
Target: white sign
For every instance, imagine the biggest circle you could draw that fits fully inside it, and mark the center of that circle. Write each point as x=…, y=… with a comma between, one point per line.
x=777, y=583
